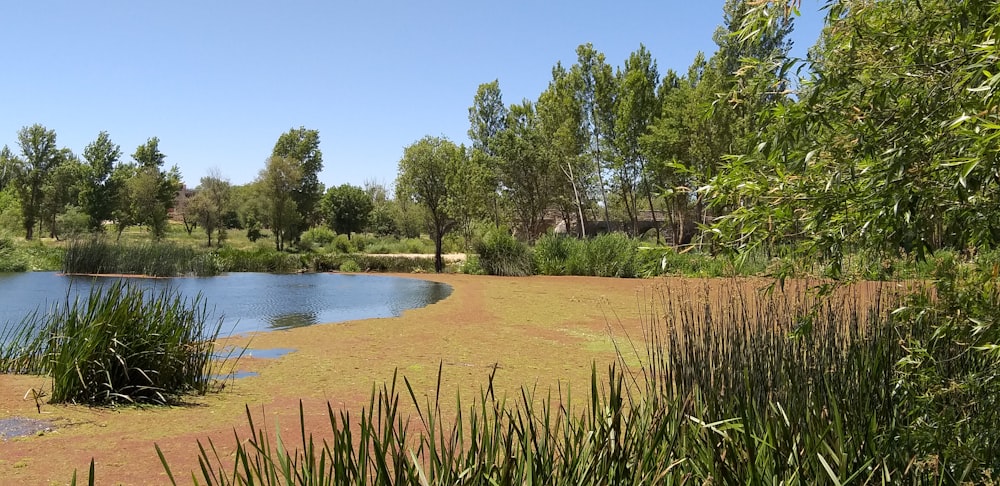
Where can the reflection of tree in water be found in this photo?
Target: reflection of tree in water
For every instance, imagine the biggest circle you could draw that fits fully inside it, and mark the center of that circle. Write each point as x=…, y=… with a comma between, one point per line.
x=297, y=319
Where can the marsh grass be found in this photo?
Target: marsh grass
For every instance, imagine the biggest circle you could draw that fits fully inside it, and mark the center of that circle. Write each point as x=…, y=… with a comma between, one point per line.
x=118, y=345
x=258, y=259
x=156, y=259
x=736, y=386
x=500, y=253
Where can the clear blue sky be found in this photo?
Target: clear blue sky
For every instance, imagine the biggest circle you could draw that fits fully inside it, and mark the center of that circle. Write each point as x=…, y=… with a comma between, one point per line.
x=219, y=81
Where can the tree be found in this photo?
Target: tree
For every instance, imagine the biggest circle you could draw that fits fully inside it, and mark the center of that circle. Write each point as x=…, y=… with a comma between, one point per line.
x=276, y=185
x=527, y=173
x=561, y=125
x=487, y=119
x=61, y=191
x=423, y=177
x=153, y=190
x=346, y=209
x=302, y=146
x=97, y=193
x=594, y=83
x=39, y=156
x=210, y=204
x=636, y=109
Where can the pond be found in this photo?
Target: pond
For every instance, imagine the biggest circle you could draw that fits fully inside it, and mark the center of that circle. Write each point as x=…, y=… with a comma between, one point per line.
x=247, y=301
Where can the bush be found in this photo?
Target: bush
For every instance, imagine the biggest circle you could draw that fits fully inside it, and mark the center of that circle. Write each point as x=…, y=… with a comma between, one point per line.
x=317, y=237
x=343, y=244
x=11, y=259
x=552, y=254
x=261, y=259
x=501, y=254
x=119, y=345
x=611, y=255
x=350, y=266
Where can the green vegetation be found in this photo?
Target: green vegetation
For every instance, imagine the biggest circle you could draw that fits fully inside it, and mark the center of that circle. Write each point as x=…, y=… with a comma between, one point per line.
x=118, y=345
x=780, y=404
x=98, y=256
x=501, y=254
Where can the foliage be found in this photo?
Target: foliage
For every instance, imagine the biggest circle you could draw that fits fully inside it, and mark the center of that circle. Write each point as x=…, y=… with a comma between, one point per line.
x=343, y=244
x=346, y=209
x=275, y=192
x=372, y=263
x=611, y=255
x=97, y=194
x=350, y=266
x=300, y=146
x=552, y=253
x=164, y=259
x=258, y=259
x=118, y=345
x=427, y=167
x=816, y=408
x=39, y=157
x=11, y=260
x=73, y=223
x=211, y=202
x=501, y=254
x=317, y=237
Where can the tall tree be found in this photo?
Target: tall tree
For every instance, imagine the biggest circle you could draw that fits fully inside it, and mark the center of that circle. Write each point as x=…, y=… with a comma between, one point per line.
x=301, y=145
x=527, y=173
x=424, y=172
x=636, y=107
x=39, y=156
x=276, y=185
x=559, y=118
x=487, y=119
x=61, y=191
x=210, y=204
x=346, y=209
x=595, y=82
x=97, y=193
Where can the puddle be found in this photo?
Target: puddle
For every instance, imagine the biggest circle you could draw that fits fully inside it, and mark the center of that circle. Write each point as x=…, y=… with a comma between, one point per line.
x=13, y=427
x=270, y=353
x=235, y=375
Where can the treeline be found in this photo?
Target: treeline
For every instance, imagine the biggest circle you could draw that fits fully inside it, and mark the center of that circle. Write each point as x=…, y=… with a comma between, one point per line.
x=602, y=148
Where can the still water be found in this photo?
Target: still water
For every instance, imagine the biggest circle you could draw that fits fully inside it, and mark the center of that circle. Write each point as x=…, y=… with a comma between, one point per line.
x=246, y=301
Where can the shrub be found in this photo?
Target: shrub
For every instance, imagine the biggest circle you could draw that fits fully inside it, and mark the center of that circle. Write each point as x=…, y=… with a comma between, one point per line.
x=11, y=259
x=119, y=345
x=501, y=254
x=611, y=255
x=261, y=259
x=343, y=244
x=350, y=266
x=552, y=254
x=317, y=237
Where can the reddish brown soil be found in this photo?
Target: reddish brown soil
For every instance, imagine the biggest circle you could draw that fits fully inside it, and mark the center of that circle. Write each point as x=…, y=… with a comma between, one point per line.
x=540, y=332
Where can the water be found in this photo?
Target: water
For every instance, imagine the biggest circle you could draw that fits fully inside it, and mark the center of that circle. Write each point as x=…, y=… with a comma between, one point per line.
x=247, y=301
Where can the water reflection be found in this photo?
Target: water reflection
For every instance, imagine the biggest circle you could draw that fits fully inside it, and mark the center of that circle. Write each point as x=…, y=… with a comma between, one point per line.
x=247, y=301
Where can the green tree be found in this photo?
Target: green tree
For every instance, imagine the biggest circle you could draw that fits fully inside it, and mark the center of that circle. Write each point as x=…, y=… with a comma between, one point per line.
x=275, y=186
x=424, y=173
x=594, y=83
x=61, y=191
x=39, y=156
x=487, y=119
x=302, y=146
x=637, y=106
x=97, y=194
x=153, y=190
x=346, y=209
x=210, y=204
x=528, y=176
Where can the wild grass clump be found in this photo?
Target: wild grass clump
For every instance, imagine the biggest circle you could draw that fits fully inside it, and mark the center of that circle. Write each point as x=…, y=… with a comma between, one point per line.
x=502, y=254
x=735, y=387
x=553, y=254
x=259, y=259
x=611, y=255
x=157, y=259
x=360, y=262
x=118, y=345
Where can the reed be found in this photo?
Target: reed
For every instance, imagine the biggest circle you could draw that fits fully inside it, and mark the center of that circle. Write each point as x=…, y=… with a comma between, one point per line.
x=118, y=345
x=502, y=254
x=156, y=259
x=736, y=386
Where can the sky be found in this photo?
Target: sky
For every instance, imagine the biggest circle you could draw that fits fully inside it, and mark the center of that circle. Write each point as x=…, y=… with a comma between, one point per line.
x=218, y=81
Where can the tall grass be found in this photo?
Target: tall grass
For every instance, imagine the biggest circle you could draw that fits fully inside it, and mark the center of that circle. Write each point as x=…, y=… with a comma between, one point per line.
x=259, y=259
x=502, y=254
x=157, y=259
x=735, y=387
x=11, y=260
x=118, y=345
